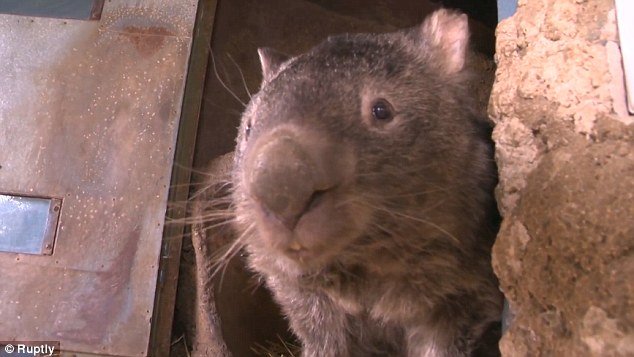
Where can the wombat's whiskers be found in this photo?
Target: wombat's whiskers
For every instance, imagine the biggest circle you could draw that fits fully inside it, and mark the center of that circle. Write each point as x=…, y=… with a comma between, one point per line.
x=222, y=259
x=193, y=170
x=202, y=186
x=223, y=108
x=244, y=82
x=218, y=218
x=393, y=212
x=222, y=83
x=218, y=208
x=186, y=185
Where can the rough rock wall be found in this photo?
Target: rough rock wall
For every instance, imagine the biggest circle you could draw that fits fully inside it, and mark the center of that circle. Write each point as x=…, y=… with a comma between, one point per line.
x=565, y=151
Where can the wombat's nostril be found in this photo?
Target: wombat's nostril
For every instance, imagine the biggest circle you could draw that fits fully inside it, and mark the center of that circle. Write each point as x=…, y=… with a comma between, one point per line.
x=288, y=213
x=286, y=218
x=315, y=199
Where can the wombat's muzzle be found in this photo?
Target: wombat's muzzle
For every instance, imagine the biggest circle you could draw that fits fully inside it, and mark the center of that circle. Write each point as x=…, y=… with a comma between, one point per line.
x=287, y=173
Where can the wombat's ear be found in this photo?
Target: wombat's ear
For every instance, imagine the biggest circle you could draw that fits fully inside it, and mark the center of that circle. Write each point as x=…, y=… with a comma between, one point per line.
x=446, y=33
x=271, y=61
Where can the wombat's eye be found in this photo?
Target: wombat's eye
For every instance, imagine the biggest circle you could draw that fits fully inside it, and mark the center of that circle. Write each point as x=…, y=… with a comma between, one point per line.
x=382, y=110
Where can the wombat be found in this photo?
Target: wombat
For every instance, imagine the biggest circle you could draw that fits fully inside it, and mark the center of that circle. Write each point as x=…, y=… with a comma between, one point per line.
x=363, y=191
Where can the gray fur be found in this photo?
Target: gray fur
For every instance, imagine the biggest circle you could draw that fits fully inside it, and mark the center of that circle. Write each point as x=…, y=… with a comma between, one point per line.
x=397, y=250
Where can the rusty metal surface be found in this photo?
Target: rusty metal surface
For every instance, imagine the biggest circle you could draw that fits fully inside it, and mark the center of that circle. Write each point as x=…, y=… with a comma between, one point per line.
x=89, y=113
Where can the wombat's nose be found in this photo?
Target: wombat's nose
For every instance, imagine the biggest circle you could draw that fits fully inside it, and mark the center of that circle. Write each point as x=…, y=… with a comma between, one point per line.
x=282, y=179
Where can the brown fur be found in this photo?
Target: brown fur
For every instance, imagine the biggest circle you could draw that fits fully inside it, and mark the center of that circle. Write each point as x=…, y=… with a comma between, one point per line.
x=373, y=236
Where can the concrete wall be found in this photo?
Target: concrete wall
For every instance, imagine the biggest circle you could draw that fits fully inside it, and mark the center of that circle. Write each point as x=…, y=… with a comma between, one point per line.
x=565, y=150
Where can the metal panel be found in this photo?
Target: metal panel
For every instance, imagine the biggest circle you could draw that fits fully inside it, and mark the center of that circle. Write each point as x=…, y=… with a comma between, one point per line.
x=28, y=224
x=62, y=9
x=89, y=113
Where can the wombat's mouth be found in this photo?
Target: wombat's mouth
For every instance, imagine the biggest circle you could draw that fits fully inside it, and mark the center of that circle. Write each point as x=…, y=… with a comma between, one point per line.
x=290, y=222
x=310, y=260
x=299, y=253
x=328, y=222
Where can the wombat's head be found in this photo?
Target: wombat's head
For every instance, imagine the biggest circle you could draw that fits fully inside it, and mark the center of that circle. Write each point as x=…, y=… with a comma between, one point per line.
x=344, y=142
